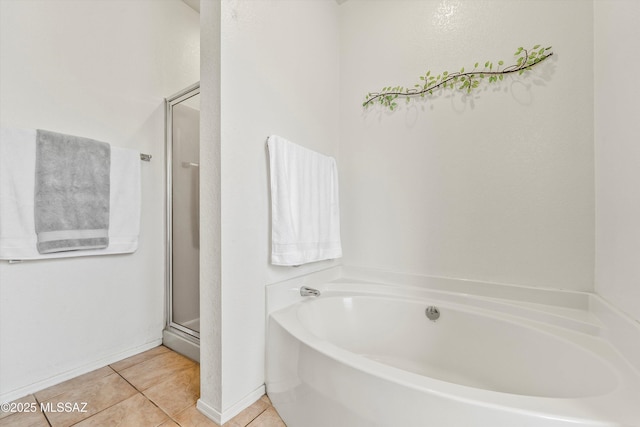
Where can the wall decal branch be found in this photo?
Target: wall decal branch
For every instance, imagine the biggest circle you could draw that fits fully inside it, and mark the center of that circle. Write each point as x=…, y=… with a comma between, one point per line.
x=460, y=80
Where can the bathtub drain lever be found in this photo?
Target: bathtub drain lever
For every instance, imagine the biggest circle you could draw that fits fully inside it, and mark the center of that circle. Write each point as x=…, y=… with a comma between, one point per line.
x=309, y=292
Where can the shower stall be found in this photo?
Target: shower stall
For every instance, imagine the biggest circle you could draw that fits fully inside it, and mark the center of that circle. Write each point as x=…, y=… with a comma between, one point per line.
x=182, y=331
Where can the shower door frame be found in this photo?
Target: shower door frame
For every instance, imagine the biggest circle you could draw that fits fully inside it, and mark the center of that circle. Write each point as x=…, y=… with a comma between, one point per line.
x=171, y=326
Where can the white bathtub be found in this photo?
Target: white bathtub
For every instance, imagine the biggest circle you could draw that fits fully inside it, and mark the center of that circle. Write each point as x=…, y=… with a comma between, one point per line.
x=368, y=356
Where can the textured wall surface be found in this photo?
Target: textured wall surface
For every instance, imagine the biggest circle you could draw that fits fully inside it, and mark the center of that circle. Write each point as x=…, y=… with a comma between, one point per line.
x=496, y=186
x=617, y=155
x=279, y=75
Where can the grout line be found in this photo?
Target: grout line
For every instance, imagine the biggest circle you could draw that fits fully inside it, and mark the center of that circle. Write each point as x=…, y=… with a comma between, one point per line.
x=104, y=409
x=179, y=412
x=145, y=396
x=127, y=381
x=136, y=364
x=254, y=418
x=151, y=401
x=120, y=401
x=41, y=411
x=169, y=417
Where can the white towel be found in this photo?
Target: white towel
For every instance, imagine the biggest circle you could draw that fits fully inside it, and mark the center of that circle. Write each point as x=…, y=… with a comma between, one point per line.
x=305, y=210
x=17, y=182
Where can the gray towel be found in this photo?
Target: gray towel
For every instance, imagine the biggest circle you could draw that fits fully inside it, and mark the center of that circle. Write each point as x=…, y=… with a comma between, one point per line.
x=71, y=192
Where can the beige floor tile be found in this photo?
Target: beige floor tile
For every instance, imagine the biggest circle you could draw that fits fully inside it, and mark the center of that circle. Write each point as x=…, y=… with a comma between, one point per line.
x=248, y=415
x=19, y=404
x=191, y=417
x=265, y=398
x=134, y=411
x=73, y=384
x=98, y=395
x=25, y=419
x=138, y=358
x=170, y=385
x=154, y=371
x=268, y=418
x=177, y=391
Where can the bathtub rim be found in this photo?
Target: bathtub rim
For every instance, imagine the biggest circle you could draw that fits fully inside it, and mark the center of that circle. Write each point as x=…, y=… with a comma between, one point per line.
x=594, y=312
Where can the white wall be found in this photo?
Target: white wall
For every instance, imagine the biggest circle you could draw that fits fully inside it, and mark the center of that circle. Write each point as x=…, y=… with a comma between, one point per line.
x=279, y=75
x=497, y=187
x=617, y=272
x=98, y=69
x=210, y=232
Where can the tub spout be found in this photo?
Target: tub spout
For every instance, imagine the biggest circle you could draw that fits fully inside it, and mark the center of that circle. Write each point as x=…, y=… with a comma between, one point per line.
x=309, y=292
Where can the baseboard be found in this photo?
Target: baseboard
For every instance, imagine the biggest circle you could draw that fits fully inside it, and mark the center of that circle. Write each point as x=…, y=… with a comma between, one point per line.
x=57, y=379
x=222, y=417
x=183, y=344
x=209, y=411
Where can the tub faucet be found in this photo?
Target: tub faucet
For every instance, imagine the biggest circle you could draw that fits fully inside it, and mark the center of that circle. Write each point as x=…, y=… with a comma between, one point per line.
x=309, y=292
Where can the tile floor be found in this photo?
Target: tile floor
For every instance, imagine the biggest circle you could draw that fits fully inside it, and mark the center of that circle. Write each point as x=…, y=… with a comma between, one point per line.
x=156, y=388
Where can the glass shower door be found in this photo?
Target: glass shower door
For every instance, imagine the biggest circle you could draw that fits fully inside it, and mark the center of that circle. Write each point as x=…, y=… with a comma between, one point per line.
x=183, y=243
